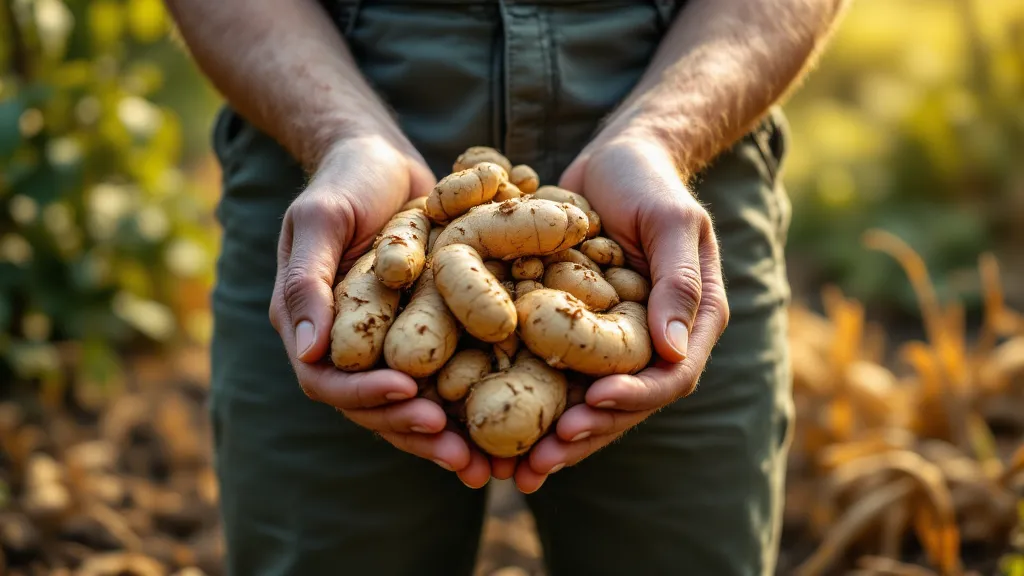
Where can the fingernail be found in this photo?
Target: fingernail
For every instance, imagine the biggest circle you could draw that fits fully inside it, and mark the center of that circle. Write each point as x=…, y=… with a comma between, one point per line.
x=304, y=335
x=444, y=465
x=396, y=396
x=543, y=480
x=678, y=337
x=606, y=404
x=419, y=429
x=468, y=485
x=556, y=467
x=581, y=436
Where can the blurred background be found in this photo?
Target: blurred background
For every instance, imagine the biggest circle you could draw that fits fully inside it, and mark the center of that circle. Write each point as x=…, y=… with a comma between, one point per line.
x=907, y=180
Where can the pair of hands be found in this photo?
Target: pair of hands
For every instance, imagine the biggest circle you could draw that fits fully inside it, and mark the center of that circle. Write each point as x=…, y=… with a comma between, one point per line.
x=632, y=182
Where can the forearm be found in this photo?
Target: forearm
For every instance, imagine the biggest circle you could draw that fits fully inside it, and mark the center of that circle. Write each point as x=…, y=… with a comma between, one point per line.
x=721, y=66
x=287, y=70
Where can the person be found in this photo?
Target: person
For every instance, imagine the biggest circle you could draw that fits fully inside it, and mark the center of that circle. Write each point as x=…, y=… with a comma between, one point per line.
x=663, y=114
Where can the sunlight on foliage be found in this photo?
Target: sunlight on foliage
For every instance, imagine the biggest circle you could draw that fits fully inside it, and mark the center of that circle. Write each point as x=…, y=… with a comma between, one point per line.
x=105, y=222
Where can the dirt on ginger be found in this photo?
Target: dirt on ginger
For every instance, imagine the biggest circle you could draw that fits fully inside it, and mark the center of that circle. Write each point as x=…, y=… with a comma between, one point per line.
x=364, y=310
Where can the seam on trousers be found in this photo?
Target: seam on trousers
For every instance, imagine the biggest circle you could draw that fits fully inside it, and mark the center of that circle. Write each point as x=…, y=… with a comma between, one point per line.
x=549, y=54
x=499, y=86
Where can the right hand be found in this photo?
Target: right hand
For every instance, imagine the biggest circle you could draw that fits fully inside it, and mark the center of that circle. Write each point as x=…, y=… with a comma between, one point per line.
x=357, y=187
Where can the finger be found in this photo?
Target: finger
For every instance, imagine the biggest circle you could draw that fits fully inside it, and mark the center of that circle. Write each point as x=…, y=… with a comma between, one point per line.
x=321, y=229
x=354, y=390
x=581, y=422
x=527, y=480
x=419, y=416
x=503, y=468
x=478, y=472
x=552, y=454
x=447, y=449
x=672, y=243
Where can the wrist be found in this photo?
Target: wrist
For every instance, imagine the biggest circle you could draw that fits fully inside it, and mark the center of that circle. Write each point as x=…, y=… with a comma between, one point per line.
x=667, y=135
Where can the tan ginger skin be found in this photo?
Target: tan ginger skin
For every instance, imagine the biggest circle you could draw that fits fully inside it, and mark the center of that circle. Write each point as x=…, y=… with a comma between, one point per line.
x=525, y=178
x=505, y=351
x=424, y=335
x=508, y=411
x=574, y=256
x=595, y=224
x=418, y=202
x=472, y=293
x=506, y=191
x=466, y=368
x=515, y=228
x=559, y=328
x=629, y=285
x=478, y=154
x=603, y=251
x=401, y=249
x=526, y=286
x=556, y=194
x=456, y=193
x=364, y=310
x=498, y=268
x=527, y=268
x=583, y=283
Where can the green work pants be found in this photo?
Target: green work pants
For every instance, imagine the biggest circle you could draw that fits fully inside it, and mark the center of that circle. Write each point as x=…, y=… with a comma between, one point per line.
x=695, y=490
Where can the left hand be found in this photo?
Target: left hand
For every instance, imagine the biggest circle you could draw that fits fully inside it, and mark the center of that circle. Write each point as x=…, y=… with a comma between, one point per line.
x=645, y=206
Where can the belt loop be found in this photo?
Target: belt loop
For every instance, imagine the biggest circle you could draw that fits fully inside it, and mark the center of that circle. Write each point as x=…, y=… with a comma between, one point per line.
x=666, y=10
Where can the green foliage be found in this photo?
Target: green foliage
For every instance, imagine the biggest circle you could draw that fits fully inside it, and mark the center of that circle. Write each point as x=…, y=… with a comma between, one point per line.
x=912, y=122
x=104, y=235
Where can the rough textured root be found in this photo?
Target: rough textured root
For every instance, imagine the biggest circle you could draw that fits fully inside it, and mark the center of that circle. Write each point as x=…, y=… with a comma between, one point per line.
x=456, y=193
x=432, y=237
x=527, y=268
x=525, y=178
x=401, y=249
x=574, y=256
x=515, y=228
x=583, y=283
x=603, y=251
x=507, y=191
x=595, y=224
x=472, y=293
x=466, y=368
x=505, y=351
x=508, y=411
x=556, y=194
x=629, y=285
x=477, y=154
x=424, y=335
x=418, y=202
x=510, y=287
x=558, y=327
x=527, y=286
x=364, y=310
x=498, y=268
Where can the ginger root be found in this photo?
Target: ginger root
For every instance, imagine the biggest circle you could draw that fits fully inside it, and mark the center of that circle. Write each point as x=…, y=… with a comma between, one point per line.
x=525, y=178
x=603, y=251
x=515, y=228
x=628, y=284
x=506, y=412
x=364, y=310
x=583, y=283
x=558, y=327
x=424, y=335
x=527, y=268
x=401, y=249
x=456, y=193
x=472, y=293
x=466, y=368
x=478, y=154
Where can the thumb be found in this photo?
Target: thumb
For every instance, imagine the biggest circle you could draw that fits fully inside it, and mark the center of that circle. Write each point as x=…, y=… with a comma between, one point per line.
x=673, y=250
x=317, y=230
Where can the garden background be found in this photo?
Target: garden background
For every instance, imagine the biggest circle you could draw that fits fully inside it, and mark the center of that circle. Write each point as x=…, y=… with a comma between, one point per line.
x=913, y=123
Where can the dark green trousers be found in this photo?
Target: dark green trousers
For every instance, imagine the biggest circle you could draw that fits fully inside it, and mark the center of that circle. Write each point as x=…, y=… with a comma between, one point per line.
x=696, y=490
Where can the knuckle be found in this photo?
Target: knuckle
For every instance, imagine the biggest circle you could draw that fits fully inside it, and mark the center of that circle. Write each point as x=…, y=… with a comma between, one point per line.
x=296, y=286
x=687, y=285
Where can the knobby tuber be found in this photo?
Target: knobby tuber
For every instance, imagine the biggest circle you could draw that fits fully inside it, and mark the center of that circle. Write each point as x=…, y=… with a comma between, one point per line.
x=508, y=411
x=364, y=310
x=558, y=327
x=472, y=293
x=515, y=228
x=425, y=333
x=500, y=297
x=401, y=249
